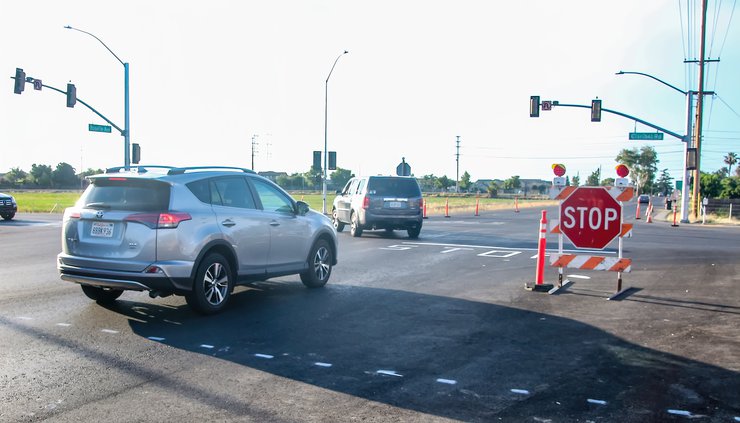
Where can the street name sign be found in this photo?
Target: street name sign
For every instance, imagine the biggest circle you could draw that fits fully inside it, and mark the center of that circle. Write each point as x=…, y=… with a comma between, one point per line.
x=646, y=136
x=98, y=128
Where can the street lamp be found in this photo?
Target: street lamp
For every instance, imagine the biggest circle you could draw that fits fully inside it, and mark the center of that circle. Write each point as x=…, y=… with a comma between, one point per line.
x=326, y=112
x=126, y=127
x=686, y=141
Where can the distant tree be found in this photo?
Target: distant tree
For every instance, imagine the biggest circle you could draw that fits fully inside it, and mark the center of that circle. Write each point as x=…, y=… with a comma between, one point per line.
x=313, y=179
x=465, y=182
x=594, y=178
x=15, y=177
x=443, y=182
x=294, y=181
x=40, y=175
x=663, y=184
x=64, y=176
x=577, y=181
x=643, y=165
x=567, y=180
x=427, y=183
x=711, y=185
x=730, y=188
x=492, y=189
x=340, y=177
x=512, y=183
x=730, y=160
x=607, y=182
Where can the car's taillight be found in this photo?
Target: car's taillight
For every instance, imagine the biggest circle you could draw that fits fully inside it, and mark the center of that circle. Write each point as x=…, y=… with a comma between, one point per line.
x=159, y=220
x=74, y=215
x=366, y=203
x=421, y=203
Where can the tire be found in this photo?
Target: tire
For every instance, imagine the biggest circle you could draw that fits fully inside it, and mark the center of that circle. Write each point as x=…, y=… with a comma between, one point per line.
x=8, y=216
x=414, y=232
x=319, y=265
x=355, y=229
x=212, y=285
x=339, y=226
x=101, y=295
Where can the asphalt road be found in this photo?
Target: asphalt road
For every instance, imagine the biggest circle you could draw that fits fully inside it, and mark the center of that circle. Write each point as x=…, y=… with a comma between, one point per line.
x=435, y=329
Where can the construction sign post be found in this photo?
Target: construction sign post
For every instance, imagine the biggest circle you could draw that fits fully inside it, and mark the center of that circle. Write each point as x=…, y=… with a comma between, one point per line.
x=590, y=218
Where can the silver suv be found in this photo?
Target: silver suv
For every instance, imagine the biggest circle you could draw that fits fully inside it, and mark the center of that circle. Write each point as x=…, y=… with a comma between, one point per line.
x=379, y=202
x=196, y=232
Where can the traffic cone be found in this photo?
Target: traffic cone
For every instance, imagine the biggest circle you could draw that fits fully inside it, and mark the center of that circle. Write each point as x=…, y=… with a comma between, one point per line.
x=424, y=215
x=476, y=207
x=447, y=207
x=649, y=214
x=637, y=212
x=516, y=204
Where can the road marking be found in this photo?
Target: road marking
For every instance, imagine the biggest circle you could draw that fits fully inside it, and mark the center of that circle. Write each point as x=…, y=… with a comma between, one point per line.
x=452, y=249
x=108, y=331
x=156, y=338
x=595, y=401
x=679, y=412
x=447, y=381
x=493, y=247
x=64, y=324
x=206, y=346
x=398, y=247
x=389, y=373
x=320, y=364
x=495, y=254
x=24, y=318
x=520, y=391
x=267, y=356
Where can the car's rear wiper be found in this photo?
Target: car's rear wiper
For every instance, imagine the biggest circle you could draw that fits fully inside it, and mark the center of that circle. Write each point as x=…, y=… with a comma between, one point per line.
x=97, y=206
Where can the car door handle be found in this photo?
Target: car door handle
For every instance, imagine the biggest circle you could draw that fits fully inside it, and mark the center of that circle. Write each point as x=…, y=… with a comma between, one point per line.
x=274, y=223
x=228, y=223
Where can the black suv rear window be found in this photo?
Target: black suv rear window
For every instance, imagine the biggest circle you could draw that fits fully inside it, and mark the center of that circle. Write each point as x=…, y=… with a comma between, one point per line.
x=127, y=194
x=397, y=187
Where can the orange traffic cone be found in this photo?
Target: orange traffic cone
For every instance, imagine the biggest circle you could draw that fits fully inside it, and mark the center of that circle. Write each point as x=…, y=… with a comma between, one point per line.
x=447, y=207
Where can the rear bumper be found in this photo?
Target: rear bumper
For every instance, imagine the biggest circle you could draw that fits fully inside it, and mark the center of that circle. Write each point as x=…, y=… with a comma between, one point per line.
x=390, y=221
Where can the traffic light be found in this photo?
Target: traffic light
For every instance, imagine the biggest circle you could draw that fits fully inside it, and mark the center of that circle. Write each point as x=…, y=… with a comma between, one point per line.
x=534, y=106
x=135, y=153
x=20, y=81
x=317, y=160
x=595, y=110
x=71, y=95
x=332, y=160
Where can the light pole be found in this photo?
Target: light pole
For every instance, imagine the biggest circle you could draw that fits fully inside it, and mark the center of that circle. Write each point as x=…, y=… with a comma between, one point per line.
x=326, y=119
x=126, y=127
x=686, y=142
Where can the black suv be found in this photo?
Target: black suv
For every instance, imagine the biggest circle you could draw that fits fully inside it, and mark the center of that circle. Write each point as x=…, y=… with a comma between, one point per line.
x=379, y=202
x=8, y=206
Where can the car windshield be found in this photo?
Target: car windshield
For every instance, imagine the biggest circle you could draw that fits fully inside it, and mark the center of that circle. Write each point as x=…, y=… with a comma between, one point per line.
x=398, y=187
x=126, y=194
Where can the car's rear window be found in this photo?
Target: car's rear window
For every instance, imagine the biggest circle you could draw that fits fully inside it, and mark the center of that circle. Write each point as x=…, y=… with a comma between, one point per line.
x=127, y=194
x=397, y=187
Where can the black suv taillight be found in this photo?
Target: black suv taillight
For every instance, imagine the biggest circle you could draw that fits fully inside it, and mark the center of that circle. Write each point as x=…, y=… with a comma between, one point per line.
x=159, y=220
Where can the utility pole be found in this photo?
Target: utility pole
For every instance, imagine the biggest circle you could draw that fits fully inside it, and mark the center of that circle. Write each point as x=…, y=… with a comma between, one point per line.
x=254, y=148
x=700, y=110
x=457, y=158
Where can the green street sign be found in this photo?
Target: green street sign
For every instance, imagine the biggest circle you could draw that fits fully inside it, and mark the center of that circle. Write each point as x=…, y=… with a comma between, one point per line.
x=679, y=185
x=646, y=136
x=98, y=128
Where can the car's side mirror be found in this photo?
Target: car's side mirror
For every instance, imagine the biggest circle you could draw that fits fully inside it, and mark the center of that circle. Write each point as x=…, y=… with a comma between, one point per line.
x=301, y=208
x=339, y=192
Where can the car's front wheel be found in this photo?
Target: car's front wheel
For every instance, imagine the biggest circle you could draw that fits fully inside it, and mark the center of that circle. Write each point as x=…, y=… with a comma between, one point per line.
x=8, y=216
x=339, y=226
x=212, y=286
x=319, y=265
x=101, y=295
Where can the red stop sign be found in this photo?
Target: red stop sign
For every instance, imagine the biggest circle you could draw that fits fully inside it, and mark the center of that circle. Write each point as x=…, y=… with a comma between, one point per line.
x=590, y=217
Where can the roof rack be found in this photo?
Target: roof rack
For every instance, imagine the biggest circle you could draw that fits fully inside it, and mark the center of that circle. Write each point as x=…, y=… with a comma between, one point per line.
x=137, y=169
x=181, y=170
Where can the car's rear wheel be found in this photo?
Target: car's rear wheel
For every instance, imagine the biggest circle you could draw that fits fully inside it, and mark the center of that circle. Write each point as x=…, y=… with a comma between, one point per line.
x=339, y=226
x=414, y=232
x=355, y=229
x=101, y=295
x=212, y=286
x=319, y=265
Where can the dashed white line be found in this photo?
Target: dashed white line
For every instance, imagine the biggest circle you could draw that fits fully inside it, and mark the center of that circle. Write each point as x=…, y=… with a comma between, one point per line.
x=520, y=391
x=108, y=331
x=595, y=401
x=155, y=338
x=447, y=381
x=206, y=346
x=24, y=318
x=64, y=324
x=267, y=356
x=679, y=412
x=320, y=364
x=389, y=373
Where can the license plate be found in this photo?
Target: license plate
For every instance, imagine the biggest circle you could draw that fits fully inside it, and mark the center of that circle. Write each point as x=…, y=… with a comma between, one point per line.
x=395, y=204
x=102, y=229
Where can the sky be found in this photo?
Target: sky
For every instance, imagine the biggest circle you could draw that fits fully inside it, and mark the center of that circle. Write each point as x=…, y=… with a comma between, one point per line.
x=206, y=78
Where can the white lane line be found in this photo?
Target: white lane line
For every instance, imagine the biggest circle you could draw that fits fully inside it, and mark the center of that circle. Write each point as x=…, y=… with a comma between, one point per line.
x=737, y=419
x=108, y=331
x=320, y=364
x=447, y=381
x=155, y=338
x=389, y=373
x=595, y=401
x=679, y=412
x=578, y=277
x=267, y=356
x=64, y=324
x=492, y=247
x=24, y=318
x=206, y=346
x=520, y=391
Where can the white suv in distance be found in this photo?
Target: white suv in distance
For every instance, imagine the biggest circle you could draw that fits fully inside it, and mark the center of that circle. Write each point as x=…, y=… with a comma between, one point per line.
x=196, y=232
